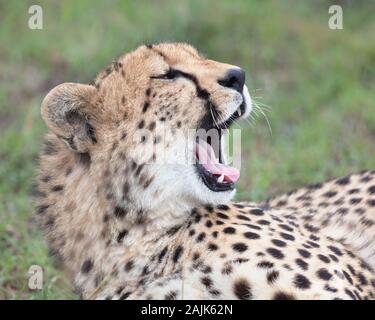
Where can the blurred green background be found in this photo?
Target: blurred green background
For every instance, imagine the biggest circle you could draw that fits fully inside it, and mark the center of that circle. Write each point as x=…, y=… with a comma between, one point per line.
x=319, y=83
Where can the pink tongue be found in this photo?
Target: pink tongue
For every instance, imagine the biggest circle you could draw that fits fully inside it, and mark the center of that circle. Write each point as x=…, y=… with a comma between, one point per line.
x=206, y=157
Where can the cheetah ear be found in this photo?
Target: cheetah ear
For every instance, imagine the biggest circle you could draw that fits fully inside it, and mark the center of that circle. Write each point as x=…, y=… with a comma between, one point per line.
x=67, y=111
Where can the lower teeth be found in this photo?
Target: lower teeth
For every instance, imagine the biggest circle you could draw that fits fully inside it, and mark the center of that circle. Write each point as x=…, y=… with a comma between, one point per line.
x=220, y=179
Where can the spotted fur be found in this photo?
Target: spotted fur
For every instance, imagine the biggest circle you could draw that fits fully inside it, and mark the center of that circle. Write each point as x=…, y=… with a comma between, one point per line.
x=126, y=227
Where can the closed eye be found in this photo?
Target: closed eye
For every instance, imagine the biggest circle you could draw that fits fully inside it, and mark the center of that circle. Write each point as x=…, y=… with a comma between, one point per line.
x=169, y=75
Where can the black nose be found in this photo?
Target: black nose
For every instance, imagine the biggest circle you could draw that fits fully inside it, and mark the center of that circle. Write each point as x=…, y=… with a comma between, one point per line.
x=234, y=79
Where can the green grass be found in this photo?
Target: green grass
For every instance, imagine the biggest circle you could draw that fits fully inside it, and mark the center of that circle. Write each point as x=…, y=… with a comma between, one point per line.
x=319, y=83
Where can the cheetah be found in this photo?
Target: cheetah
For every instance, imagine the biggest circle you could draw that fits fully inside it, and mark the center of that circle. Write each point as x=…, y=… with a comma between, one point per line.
x=127, y=226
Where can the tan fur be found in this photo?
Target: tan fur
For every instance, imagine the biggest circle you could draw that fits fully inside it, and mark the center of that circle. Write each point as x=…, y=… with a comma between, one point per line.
x=127, y=227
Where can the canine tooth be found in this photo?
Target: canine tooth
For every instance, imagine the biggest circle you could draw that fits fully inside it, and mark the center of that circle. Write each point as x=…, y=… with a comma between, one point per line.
x=239, y=112
x=220, y=179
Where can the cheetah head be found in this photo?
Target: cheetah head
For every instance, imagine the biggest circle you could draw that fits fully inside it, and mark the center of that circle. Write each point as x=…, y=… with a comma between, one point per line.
x=141, y=122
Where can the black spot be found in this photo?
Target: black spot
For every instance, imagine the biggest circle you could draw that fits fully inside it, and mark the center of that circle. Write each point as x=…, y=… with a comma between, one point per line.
x=301, y=282
x=206, y=269
x=371, y=202
x=329, y=288
x=210, y=209
x=222, y=215
x=286, y=227
x=141, y=124
x=120, y=212
x=348, y=277
x=355, y=200
x=227, y=270
x=278, y=243
x=371, y=190
x=343, y=181
x=139, y=169
x=353, y=191
x=145, y=106
x=272, y=276
x=145, y=271
x=121, y=235
x=313, y=244
x=311, y=228
x=276, y=253
x=283, y=296
x=287, y=236
x=214, y=292
x=57, y=188
x=125, y=295
x=129, y=265
x=209, y=224
x=240, y=206
x=324, y=274
x=177, y=253
x=239, y=247
x=350, y=294
x=335, y=250
x=333, y=257
x=172, y=295
x=196, y=256
x=242, y=290
x=251, y=235
x=242, y=217
x=257, y=212
x=152, y=125
x=251, y=226
x=302, y=264
x=229, y=230
x=265, y=264
x=324, y=258
x=263, y=222
x=329, y=194
x=304, y=253
x=223, y=207
x=87, y=266
x=362, y=279
x=201, y=237
x=206, y=281
x=162, y=254
x=212, y=247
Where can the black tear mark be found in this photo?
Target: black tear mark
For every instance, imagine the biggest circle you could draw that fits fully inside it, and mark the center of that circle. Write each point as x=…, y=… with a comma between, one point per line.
x=91, y=132
x=174, y=73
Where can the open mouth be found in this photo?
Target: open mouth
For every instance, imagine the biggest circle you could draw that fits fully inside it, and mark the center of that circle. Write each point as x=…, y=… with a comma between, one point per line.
x=211, y=166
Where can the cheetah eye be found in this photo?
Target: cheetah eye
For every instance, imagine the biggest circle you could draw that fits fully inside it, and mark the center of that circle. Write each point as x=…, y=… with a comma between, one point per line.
x=169, y=75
